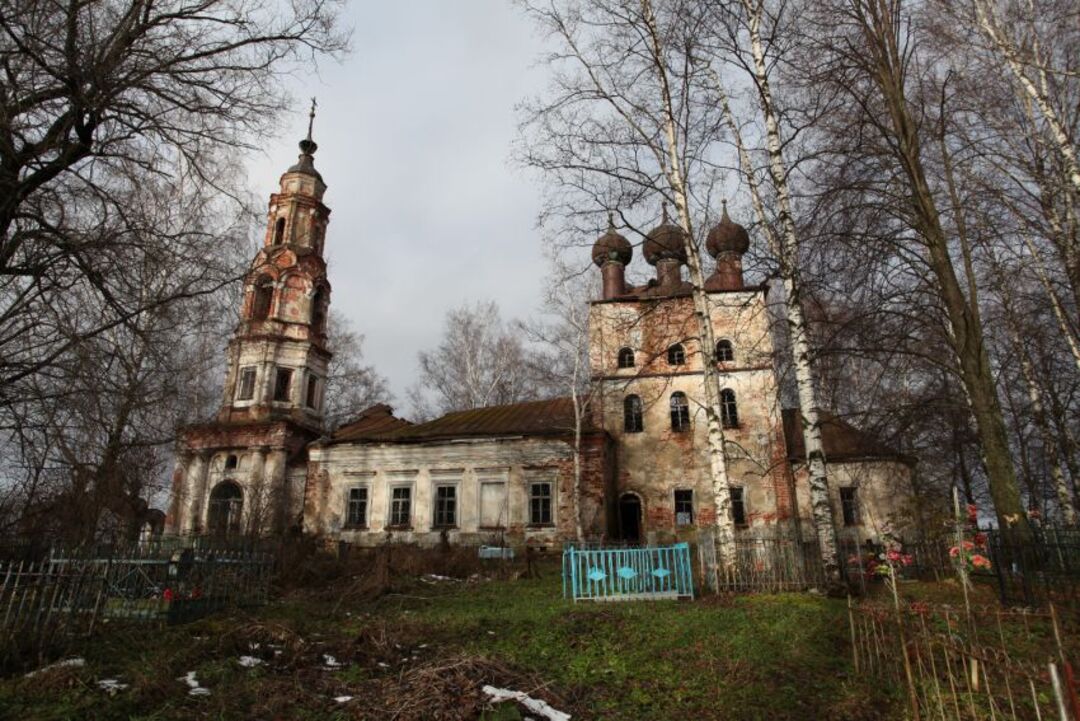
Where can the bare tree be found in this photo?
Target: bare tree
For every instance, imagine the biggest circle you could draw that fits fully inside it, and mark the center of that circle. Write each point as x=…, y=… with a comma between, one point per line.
x=479, y=362
x=351, y=386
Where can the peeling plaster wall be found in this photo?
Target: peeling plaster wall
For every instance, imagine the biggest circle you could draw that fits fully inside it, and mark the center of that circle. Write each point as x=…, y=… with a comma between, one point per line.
x=658, y=461
x=465, y=464
x=884, y=493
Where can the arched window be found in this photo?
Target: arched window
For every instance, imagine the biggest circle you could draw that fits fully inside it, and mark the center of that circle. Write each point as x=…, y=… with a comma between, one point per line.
x=318, y=311
x=264, y=296
x=725, y=352
x=626, y=357
x=729, y=410
x=680, y=412
x=279, y=231
x=632, y=420
x=676, y=355
x=226, y=504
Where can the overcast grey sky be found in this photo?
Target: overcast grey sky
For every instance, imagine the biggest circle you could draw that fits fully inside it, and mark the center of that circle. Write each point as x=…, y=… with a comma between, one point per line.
x=414, y=133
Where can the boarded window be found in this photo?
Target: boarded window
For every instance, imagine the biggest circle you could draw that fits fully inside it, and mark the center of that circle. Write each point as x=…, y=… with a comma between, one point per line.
x=632, y=418
x=312, y=392
x=725, y=352
x=540, y=504
x=729, y=409
x=246, y=386
x=738, y=507
x=676, y=355
x=684, y=507
x=680, y=412
x=849, y=505
x=446, y=506
x=401, y=507
x=282, y=383
x=493, y=508
x=356, y=513
x=626, y=358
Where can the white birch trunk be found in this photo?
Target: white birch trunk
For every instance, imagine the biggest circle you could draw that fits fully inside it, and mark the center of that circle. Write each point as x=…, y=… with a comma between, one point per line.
x=674, y=173
x=820, y=501
x=988, y=21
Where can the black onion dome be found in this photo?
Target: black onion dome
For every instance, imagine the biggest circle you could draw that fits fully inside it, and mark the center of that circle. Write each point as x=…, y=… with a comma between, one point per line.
x=612, y=246
x=666, y=241
x=306, y=162
x=727, y=236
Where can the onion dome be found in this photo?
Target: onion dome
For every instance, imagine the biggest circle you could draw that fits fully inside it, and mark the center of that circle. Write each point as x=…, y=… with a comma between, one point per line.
x=727, y=236
x=612, y=246
x=666, y=241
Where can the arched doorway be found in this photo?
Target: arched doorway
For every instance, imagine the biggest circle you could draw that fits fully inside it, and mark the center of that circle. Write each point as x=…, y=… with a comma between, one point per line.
x=630, y=517
x=226, y=505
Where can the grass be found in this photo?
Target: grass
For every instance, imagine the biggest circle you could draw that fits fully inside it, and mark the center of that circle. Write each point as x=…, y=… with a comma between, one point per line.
x=427, y=649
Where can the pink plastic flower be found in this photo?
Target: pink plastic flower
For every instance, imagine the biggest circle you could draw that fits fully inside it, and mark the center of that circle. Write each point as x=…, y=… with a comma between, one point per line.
x=167, y=595
x=907, y=559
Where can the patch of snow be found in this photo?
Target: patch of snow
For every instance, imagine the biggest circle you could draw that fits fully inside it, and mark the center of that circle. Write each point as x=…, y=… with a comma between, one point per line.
x=250, y=661
x=111, y=685
x=343, y=699
x=194, y=689
x=76, y=662
x=535, y=705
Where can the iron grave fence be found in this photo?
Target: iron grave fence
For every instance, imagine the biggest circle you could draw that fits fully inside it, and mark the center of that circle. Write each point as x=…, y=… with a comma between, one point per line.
x=622, y=574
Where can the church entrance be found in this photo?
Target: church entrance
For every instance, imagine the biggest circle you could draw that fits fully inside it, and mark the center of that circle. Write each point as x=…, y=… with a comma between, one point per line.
x=630, y=518
x=226, y=504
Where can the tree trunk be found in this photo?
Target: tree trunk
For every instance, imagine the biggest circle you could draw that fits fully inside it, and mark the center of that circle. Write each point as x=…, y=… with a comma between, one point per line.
x=966, y=334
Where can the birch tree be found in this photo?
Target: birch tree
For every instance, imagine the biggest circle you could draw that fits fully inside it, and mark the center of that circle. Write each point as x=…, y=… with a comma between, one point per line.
x=628, y=121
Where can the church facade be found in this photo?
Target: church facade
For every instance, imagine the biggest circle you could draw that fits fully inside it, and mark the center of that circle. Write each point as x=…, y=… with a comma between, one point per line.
x=628, y=462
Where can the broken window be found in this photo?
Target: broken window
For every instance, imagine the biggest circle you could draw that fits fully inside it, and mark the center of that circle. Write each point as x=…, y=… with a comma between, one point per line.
x=246, y=385
x=279, y=231
x=264, y=296
x=849, y=505
x=401, y=506
x=729, y=410
x=676, y=355
x=231, y=462
x=632, y=419
x=493, y=509
x=282, y=383
x=356, y=513
x=680, y=412
x=446, y=506
x=725, y=352
x=313, y=391
x=318, y=311
x=626, y=358
x=540, y=504
x=738, y=507
x=684, y=507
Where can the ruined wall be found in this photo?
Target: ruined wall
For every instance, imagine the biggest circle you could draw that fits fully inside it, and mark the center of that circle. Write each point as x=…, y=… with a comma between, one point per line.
x=884, y=493
x=654, y=463
x=465, y=465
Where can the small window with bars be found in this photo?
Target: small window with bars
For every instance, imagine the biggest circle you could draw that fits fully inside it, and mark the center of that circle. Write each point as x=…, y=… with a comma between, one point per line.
x=356, y=512
x=684, y=507
x=446, y=506
x=540, y=504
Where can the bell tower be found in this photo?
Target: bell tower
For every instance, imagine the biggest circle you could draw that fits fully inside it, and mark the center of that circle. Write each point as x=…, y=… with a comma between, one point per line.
x=244, y=471
x=277, y=359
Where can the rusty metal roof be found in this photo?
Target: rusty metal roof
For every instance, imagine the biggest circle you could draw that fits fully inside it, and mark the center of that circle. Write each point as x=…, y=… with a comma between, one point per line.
x=553, y=417
x=842, y=441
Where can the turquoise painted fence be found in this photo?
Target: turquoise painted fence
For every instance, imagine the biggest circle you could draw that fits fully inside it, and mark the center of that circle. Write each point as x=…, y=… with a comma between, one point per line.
x=625, y=574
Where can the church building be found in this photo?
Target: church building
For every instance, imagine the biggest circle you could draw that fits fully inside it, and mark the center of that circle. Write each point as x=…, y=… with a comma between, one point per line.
x=628, y=463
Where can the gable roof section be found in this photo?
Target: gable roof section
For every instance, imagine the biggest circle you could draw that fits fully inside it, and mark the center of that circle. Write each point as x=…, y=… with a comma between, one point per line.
x=554, y=417
x=842, y=441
